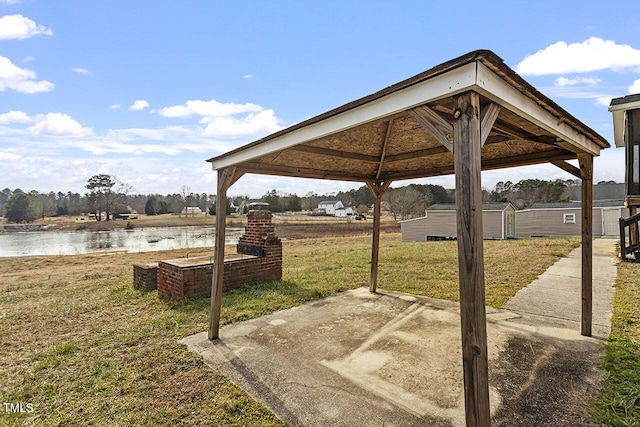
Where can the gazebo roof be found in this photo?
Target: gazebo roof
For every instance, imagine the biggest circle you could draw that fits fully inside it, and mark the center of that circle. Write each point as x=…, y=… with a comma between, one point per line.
x=405, y=130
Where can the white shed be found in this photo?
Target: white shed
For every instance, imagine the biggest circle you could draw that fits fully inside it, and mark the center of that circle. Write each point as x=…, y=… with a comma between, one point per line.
x=498, y=222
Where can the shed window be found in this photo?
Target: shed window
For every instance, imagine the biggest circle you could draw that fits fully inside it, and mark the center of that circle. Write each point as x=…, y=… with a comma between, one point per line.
x=569, y=218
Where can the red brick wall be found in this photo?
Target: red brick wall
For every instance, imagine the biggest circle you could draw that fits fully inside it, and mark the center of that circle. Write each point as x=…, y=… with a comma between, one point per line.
x=179, y=282
x=144, y=275
x=193, y=281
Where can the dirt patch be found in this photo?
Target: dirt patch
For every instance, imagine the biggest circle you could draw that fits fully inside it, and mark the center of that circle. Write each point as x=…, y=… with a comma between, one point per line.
x=544, y=382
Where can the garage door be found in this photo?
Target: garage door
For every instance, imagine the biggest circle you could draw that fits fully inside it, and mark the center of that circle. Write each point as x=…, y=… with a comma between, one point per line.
x=610, y=225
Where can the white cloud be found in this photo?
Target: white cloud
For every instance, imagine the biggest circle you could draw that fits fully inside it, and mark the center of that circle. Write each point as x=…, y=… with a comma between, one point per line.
x=114, y=106
x=208, y=109
x=28, y=58
x=14, y=116
x=20, y=79
x=563, y=81
x=58, y=124
x=591, y=55
x=262, y=123
x=248, y=76
x=9, y=157
x=81, y=70
x=226, y=120
x=139, y=105
x=11, y=1
x=604, y=101
x=635, y=87
x=18, y=27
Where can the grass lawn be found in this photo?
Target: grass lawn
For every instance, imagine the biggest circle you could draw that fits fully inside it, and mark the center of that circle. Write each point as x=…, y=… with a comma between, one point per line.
x=84, y=347
x=618, y=403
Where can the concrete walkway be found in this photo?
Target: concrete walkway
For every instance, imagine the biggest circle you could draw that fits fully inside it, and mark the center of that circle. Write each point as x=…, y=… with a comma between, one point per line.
x=392, y=359
x=555, y=297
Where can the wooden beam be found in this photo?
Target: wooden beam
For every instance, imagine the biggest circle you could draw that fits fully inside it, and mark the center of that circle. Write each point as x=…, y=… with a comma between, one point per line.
x=501, y=163
x=335, y=153
x=489, y=116
x=567, y=167
x=301, y=172
x=527, y=159
x=586, y=172
x=425, y=152
x=377, y=189
x=226, y=177
x=438, y=126
x=511, y=130
x=384, y=148
x=466, y=134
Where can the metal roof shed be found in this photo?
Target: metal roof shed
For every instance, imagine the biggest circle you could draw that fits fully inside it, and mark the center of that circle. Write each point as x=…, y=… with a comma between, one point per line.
x=463, y=116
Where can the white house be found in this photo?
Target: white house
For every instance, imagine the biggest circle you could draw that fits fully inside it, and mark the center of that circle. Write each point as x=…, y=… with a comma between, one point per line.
x=329, y=206
x=344, y=212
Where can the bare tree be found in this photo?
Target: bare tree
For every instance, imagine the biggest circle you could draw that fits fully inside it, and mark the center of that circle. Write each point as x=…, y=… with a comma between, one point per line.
x=405, y=202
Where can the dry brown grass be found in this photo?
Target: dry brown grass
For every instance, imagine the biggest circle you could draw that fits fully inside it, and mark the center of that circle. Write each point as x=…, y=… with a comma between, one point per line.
x=86, y=348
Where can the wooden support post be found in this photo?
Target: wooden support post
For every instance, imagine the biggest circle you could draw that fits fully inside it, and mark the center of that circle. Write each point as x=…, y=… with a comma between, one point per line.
x=586, y=172
x=467, y=146
x=225, y=179
x=377, y=189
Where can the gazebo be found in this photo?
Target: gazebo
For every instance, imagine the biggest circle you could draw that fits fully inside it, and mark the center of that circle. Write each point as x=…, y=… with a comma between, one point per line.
x=469, y=114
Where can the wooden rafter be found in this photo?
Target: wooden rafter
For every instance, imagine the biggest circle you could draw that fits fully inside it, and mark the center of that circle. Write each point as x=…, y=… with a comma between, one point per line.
x=437, y=125
x=488, y=118
x=384, y=148
x=567, y=167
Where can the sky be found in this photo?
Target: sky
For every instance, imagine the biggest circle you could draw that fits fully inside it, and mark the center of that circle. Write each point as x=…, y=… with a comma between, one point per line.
x=147, y=91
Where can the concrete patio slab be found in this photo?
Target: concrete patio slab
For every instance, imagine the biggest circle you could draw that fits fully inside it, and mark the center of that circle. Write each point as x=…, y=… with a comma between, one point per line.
x=392, y=359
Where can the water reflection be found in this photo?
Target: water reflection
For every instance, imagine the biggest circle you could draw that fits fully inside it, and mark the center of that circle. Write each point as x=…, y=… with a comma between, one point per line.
x=137, y=240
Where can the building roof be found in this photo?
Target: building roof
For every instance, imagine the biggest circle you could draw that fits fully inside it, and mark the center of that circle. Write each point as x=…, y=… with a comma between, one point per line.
x=618, y=107
x=577, y=205
x=329, y=202
x=500, y=206
x=389, y=135
x=601, y=192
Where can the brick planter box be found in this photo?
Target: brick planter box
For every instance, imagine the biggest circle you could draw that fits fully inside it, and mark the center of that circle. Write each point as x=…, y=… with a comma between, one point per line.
x=259, y=259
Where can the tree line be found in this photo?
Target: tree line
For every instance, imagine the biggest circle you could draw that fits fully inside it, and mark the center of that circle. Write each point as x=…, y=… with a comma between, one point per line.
x=106, y=194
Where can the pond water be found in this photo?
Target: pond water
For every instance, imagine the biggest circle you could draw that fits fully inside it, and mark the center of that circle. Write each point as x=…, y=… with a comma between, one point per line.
x=136, y=240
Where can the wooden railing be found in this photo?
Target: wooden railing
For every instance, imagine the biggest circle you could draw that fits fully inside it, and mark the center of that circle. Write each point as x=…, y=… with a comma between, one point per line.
x=630, y=239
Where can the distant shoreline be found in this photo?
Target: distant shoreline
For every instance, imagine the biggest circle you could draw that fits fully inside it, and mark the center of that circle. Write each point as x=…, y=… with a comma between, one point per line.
x=289, y=228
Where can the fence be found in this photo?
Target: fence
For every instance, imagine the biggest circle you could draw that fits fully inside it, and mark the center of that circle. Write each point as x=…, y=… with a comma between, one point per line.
x=630, y=239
